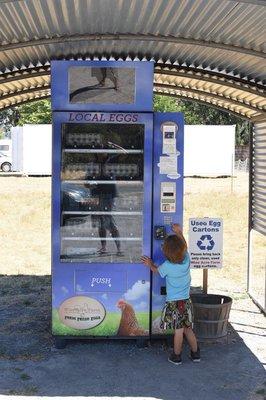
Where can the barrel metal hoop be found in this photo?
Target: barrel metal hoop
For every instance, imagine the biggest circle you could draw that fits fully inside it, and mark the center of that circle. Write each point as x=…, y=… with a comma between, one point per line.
x=202, y=305
x=210, y=322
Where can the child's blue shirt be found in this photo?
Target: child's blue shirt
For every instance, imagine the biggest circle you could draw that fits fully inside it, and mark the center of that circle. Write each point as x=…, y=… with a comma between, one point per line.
x=177, y=278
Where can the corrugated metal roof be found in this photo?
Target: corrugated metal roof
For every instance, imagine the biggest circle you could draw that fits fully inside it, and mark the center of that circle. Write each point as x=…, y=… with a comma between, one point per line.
x=258, y=186
x=220, y=44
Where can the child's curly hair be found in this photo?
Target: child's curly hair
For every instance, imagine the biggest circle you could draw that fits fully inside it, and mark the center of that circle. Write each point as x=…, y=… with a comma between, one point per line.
x=174, y=248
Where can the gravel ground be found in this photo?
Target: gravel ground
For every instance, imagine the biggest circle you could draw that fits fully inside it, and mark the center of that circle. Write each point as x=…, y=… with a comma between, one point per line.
x=31, y=366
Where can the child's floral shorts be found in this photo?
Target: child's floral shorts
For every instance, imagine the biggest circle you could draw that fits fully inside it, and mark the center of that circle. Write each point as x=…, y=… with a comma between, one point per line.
x=177, y=314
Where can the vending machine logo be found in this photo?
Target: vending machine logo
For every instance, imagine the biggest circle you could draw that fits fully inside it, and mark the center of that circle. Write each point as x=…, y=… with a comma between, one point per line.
x=81, y=312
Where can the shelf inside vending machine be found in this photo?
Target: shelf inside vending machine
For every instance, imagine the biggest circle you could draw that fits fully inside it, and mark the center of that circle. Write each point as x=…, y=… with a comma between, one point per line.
x=107, y=151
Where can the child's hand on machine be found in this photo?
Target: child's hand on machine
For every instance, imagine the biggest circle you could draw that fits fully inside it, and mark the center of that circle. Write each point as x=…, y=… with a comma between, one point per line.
x=147, y=261
x=176, y=228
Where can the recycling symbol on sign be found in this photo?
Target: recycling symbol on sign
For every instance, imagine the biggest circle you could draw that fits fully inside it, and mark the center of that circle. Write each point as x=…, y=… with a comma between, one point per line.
x=206, y=242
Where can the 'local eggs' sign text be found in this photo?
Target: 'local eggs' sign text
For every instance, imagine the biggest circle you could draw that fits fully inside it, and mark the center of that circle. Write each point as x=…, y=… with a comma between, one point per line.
x=206, y=242
x=102, y=117
x=81, y=312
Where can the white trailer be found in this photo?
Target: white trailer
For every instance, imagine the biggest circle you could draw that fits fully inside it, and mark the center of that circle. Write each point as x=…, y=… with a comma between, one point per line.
x=209, y=150
x=6, y=147
x=32, y=149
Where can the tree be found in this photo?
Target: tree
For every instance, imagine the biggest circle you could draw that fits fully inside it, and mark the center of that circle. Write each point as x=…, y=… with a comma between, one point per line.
x=164, y=103
x=171, y=104
x=243, y=132
x=37, y=112
x=8, y=118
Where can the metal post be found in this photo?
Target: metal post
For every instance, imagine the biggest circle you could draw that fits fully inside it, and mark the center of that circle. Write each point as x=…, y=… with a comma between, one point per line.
x=232, y=173
x=251, y=148
x=205, y=281
x=265, y=290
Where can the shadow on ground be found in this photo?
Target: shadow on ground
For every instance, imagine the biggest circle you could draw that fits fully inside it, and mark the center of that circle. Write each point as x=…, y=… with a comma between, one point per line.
x=30, y=365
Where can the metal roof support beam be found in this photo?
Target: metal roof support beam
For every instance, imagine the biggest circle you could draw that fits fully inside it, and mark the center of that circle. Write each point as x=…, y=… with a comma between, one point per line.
x=23, y=92
x=15, y=78
x=255, y=2
x=28, y=70
x=210, y=76
x=216, y=82
x=259, y=118
x=205, y=103
x=20, y=103
x=210, y=95
x=137, y=37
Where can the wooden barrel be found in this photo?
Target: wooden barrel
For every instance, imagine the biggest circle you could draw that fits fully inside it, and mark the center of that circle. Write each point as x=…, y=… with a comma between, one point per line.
x=211, y=314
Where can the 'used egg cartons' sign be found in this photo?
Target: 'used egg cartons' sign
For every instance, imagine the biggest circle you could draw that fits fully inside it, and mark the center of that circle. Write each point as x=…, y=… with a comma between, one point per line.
x=206, y=242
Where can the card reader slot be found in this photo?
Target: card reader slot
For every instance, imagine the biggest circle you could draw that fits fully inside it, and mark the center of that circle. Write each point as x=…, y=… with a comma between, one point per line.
x=163, y=291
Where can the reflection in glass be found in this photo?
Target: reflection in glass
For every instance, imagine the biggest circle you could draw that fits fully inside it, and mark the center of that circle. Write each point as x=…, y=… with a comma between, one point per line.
x=106, y=85
x=80, y=197
x=102, y=166
x=101, y=193
x=106, y=222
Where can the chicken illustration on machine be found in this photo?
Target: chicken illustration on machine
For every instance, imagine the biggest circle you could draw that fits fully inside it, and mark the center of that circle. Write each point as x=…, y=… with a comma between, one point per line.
x=129, y=325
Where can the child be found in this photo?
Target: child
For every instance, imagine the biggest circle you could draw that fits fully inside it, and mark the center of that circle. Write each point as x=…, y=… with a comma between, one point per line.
x=177, y=312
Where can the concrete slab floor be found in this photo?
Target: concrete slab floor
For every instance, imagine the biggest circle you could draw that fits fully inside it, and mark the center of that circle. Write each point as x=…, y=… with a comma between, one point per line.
x=31, y=366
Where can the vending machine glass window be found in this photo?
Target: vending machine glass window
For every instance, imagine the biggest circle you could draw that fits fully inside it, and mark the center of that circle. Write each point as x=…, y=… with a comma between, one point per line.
x=102, y=175
x=107, y=85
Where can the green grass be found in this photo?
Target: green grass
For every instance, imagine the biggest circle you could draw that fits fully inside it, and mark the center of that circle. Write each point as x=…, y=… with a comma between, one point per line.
x=108, y=327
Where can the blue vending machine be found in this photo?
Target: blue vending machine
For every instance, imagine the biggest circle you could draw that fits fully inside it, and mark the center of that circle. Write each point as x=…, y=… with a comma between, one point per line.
x=117, y=186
